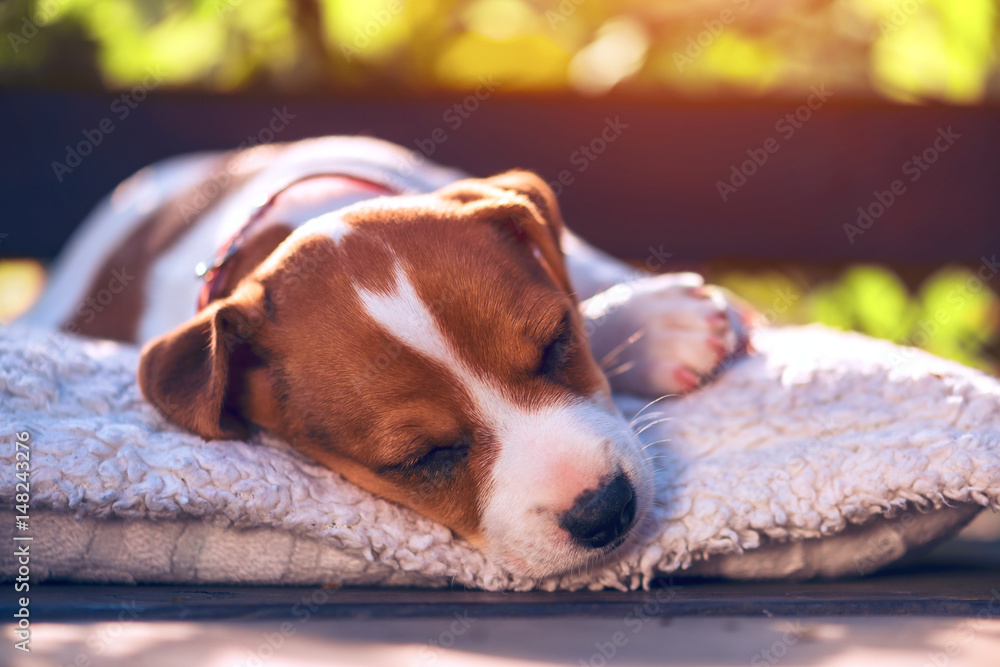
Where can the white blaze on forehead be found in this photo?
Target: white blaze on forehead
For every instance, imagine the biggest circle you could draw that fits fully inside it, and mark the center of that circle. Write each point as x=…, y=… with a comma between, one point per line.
x=547, y=454
x=555, y=450
x=404, y=315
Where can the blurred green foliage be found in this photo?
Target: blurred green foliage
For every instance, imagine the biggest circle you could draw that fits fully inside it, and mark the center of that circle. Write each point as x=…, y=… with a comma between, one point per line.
x=953, y=313
x=909, y=50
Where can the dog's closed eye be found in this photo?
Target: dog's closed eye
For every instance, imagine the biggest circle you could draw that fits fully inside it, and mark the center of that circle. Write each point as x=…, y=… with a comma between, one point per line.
x=434, y=458
x=443, y=459
x=557, y=352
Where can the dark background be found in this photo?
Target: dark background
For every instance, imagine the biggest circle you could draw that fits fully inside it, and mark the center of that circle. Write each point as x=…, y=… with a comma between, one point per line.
x=653, y=187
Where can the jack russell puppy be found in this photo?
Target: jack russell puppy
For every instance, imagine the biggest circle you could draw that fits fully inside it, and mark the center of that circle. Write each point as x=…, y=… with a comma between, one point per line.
x=435, y=339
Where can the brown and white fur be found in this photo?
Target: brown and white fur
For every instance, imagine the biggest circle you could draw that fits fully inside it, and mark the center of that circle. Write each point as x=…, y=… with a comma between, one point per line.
x=439, y=347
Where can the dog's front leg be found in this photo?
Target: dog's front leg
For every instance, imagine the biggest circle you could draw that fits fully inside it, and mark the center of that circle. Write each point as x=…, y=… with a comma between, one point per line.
x=653, y=335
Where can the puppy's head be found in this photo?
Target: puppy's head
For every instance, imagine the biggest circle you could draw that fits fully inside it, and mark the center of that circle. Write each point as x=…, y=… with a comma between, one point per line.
x=430, y=349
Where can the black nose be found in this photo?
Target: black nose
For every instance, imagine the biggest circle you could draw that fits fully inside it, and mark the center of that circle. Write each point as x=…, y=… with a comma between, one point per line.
x=601, y=516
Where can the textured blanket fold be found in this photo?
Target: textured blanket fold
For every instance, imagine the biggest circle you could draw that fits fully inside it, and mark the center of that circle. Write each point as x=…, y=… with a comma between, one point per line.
x=824, y=454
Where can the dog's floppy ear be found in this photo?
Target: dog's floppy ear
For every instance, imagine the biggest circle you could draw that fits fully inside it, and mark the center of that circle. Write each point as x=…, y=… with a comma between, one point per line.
x=195, y=374
x=538, y=191
x=525, y=206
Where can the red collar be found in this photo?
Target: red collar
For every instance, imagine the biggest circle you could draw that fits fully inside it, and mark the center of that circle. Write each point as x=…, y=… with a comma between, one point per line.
x=213, y=274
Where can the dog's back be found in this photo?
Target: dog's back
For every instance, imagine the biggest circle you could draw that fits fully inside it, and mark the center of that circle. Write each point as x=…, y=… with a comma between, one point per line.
x=129, y=271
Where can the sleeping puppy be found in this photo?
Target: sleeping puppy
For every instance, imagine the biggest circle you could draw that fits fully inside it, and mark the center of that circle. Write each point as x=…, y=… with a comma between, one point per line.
x=436, y=339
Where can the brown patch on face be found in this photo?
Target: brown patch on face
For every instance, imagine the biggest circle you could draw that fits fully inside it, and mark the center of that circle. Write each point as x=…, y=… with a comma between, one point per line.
x=129, y=264
x=354, y=398
x=316, y=369
x=512, y=325
x=385, y=416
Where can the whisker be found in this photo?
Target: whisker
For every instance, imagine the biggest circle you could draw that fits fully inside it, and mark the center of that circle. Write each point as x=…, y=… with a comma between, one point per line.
x=662, y=420
x=646, y=423
x=618, y=370
x=650, y=404
x=655, y=442
x=651, y=415
x=652, y=424
x=615, y=351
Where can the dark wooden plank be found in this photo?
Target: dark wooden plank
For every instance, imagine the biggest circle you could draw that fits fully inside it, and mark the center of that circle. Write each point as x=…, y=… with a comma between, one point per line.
x=923, y=592
x=653, y=186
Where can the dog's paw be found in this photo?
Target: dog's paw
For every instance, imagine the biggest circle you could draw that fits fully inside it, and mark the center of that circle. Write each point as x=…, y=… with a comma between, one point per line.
x=664, y=334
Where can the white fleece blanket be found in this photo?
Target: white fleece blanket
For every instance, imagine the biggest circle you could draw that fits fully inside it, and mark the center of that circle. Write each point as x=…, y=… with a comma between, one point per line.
x=826, y=453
